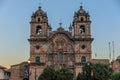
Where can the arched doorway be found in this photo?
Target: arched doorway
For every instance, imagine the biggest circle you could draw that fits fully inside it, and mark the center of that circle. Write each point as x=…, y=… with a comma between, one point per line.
x=25, y=79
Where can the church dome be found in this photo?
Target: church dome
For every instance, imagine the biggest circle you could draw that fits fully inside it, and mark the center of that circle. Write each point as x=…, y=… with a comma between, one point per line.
x=39, y=16
x=81, y=11
x=60, y=29
x=39, y=12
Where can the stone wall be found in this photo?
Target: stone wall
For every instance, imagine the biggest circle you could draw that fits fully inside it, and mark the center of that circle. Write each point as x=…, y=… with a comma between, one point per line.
x=102, y=61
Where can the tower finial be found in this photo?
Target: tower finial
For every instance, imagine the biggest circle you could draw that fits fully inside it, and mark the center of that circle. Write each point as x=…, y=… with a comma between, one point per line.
x=70, y=27
x=60, y=23
x=81, y=6
x=39, y=5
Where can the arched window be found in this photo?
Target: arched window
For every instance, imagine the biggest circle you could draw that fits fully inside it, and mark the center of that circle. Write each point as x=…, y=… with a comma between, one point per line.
x=82, y=19
x=82, y=29
x=60, y=56
x=37, y=59
x=71, y=56
x=38, y=30
x=38, y=19
x=50, y=56
x=83, y=59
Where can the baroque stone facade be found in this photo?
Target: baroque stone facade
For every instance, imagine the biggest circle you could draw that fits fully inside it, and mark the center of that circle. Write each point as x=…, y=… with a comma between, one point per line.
x=60, y=48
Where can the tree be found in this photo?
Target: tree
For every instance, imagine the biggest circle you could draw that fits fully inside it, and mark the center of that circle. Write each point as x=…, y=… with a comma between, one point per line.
x=64, y=74
x=100, y=71
x=52, y=74
x=116, y=76
x=80, y=76
x=48, y=74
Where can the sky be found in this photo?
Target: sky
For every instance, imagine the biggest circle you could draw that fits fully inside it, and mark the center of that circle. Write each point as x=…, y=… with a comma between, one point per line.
x=15, y=16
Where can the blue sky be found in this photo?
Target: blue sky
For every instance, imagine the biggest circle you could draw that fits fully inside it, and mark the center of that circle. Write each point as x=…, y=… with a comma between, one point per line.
x=15, y=16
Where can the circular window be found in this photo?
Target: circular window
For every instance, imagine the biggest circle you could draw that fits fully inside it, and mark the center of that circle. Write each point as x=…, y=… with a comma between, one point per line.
x=37, y=47
x=83, y=46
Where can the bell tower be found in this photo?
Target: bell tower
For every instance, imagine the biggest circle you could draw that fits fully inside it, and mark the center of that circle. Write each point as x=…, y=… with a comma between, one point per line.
x=82, y=35
x=39, y=24
x=81, y=24
x=39, y=33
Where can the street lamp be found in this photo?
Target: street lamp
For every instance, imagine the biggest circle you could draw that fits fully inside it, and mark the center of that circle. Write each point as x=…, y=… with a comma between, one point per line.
x=28, y=68
x=29, y=61
x=35, y=73
x=88, y=71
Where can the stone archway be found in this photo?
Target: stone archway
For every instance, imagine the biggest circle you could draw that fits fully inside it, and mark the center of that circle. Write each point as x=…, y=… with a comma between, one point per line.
x=25, y=79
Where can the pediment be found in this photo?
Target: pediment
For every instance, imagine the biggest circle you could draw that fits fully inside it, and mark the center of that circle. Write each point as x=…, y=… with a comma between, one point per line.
x=61, y=33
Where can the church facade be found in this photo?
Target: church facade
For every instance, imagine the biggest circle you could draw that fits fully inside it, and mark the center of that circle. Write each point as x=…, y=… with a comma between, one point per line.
x=60, y=48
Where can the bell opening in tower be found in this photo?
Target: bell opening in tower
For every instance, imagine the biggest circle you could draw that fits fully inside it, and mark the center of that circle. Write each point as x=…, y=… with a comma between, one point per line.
x=38, y=30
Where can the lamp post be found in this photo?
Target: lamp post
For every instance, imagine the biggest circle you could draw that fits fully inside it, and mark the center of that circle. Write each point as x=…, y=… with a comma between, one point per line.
x=88, y=71
x=35, y=73
x=29, y=68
